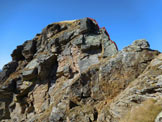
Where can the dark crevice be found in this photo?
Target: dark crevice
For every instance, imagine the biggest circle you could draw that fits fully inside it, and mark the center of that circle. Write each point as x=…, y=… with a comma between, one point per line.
x=90, y=120
x=95, y=115
x=58, y=46
x=93, y=50
x=85, y=78
x=151, y=90
x=72, y=105
x=52, y=74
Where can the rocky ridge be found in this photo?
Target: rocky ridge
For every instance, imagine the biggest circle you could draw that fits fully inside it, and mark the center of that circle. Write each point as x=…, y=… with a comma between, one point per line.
x=72, y=71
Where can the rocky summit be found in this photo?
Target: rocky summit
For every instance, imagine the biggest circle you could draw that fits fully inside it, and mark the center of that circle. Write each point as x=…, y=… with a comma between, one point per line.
x=73, y=72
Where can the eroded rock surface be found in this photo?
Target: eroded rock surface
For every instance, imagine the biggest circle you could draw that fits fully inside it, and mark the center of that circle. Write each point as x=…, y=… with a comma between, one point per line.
x=72, y=71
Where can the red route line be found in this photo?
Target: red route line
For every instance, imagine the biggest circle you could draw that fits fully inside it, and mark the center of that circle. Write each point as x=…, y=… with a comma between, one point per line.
x=105, y=31
x=109, y=38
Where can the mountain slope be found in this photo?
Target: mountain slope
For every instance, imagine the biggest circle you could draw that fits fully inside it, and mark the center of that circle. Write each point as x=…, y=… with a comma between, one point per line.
x=73, y=71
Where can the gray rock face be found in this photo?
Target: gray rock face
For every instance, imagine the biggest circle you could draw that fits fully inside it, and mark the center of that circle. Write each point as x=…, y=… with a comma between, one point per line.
x=108, y=46
x=141, y=43
x=17, y=53
x=7, y=70
x=39, y=67
x=87, y=25
x=31, y=70
x=91, y=42
x=6, y=98
x=78, y=40
x=72, y=72
x=57, y=114
x=88, y=61
x=144, y=88
x=29, y=49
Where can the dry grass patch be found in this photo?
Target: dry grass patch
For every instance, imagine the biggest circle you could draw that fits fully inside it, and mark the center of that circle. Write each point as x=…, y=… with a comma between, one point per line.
x=145, y=112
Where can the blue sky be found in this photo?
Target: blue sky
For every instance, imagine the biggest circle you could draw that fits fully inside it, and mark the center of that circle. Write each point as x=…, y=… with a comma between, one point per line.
x=125, y=20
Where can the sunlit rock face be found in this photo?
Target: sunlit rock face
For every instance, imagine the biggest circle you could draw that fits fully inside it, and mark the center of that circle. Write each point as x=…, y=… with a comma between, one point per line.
x=72, y=71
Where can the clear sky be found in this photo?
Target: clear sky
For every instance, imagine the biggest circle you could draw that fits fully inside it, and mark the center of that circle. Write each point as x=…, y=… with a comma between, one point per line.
x=125, y=20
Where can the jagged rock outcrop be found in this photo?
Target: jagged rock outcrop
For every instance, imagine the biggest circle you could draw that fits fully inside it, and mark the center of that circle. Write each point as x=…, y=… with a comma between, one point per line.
x=72, y=71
